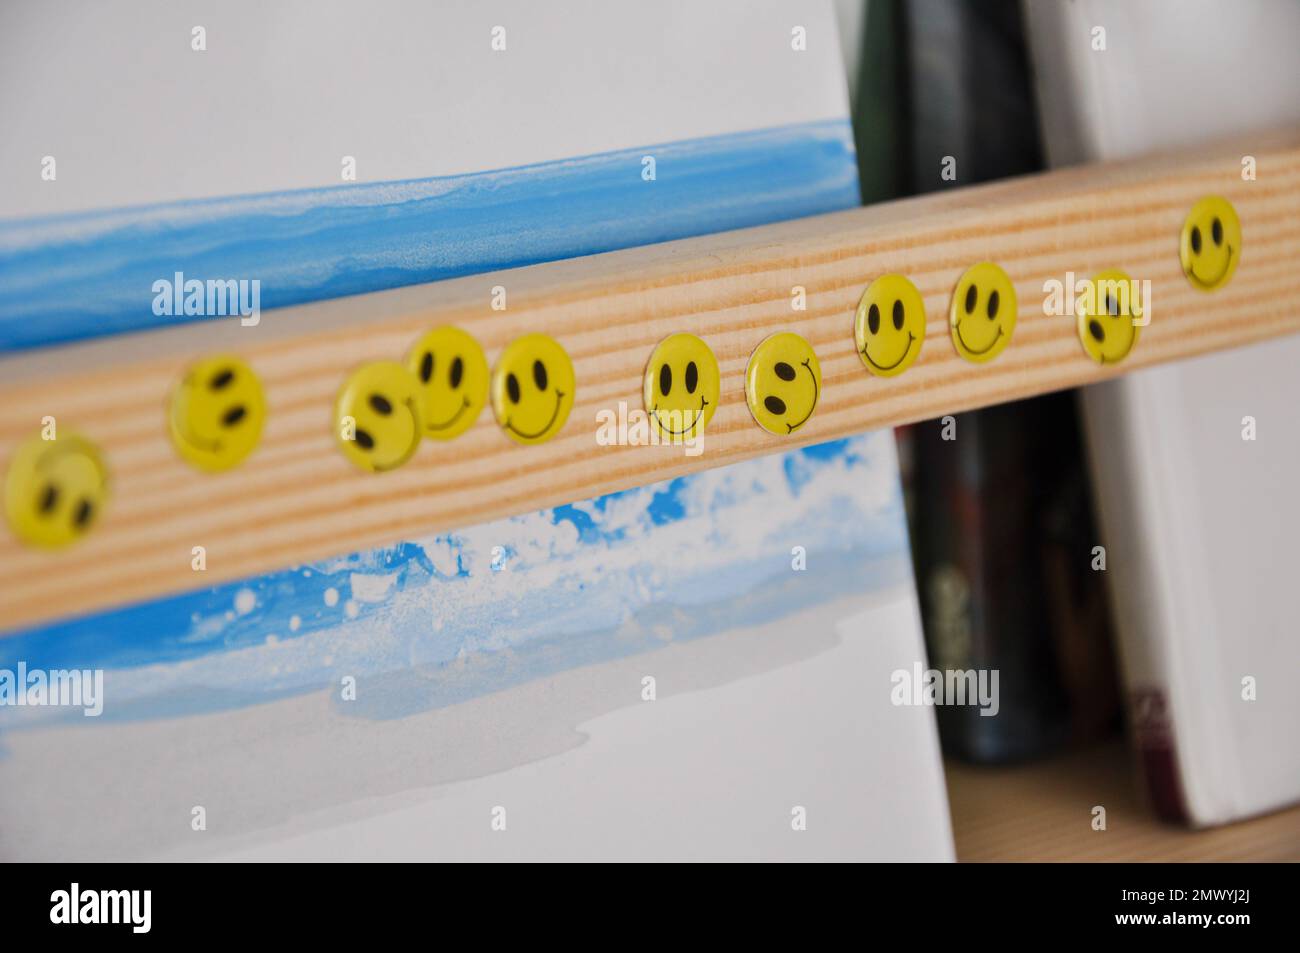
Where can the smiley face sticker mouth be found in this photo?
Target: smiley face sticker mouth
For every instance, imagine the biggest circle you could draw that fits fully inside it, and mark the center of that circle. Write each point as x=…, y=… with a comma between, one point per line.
x=816, y=383
x=1211, y=283
x=532, y=388
x=446, y=426
x=976, y=352
x=887, y=369
x=692, y=417
x=781, y=400
x=509, y=425
x=453, y=377
x=890, y=320
x=681, y=386
x=1209, y=245
x=983, y=310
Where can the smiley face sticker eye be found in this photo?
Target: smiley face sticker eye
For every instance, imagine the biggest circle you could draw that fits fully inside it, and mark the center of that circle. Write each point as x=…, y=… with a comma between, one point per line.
x=1210, y=244
x=55, y=490
x=1109, y=316
x=783, y=383
x=982, y=317
x=378, y=416
x=681, y=387
x=889, y=327
x=216, y=413
x=532, y=389
x=453, y=379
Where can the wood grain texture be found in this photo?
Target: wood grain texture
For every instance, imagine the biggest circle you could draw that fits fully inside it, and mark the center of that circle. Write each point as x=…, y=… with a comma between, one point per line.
x=297, y=499
x=1043, y=812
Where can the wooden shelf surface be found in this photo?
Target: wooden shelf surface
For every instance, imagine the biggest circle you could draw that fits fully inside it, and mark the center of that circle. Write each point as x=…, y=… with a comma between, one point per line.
x=1043, y=812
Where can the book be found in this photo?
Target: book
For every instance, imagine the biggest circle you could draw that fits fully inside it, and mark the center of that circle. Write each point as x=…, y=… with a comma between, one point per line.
x=997, y=500
x=1195, y=463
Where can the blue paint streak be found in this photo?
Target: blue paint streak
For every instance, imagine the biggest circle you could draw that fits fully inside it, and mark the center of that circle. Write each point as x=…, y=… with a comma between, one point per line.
x=163, y=630
x=667, y=505
x=428, y=634
x=581, y=520
x=86, y=275
x=191, y=625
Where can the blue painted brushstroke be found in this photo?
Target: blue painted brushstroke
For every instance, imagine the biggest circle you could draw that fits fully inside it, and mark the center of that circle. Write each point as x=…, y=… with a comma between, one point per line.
x=593, y=580
x=85, y=275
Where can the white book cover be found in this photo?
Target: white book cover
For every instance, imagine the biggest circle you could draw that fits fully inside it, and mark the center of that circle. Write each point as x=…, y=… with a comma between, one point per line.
x=1195, y=463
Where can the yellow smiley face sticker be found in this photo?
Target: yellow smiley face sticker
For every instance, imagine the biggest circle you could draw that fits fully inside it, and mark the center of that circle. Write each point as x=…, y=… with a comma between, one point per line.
x=453, y=376
x=1106, y=312
x=532, y=389
x=378, y=420
x=681, y=388
x=889, y=327
x=1210, y=244
x=983, y=313
x=216, y=413
x=783, y=383
x=55, y=490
